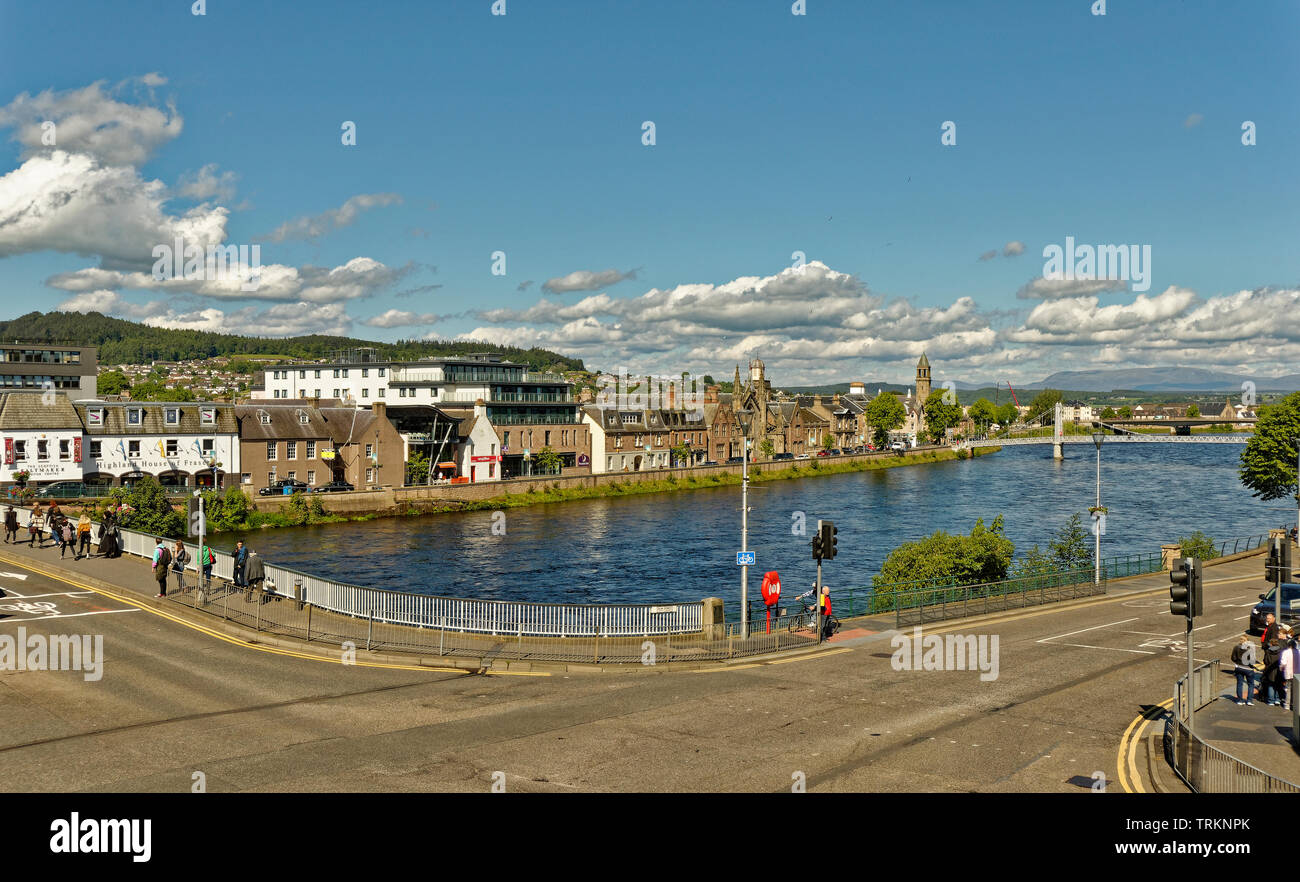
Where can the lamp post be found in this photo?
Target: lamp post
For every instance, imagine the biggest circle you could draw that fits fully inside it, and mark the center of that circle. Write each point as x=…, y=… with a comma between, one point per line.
x=1097, y=438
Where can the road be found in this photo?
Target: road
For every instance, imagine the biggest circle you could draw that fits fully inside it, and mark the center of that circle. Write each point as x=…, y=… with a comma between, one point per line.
x=174, y=700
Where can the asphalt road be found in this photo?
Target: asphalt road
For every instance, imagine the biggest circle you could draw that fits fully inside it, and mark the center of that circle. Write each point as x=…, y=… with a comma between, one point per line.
x=173, y=701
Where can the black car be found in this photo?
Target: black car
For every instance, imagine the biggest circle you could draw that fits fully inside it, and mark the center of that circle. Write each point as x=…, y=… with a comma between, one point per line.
x=62, y=490
x=285, y=487
x=835, y=451
x=732, y=459
x=1290, y=606
x=783, y=456
x=335, y=487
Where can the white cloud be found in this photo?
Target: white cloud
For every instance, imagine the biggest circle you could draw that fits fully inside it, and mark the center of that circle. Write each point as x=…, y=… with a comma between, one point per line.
x=280, y=320
x=1055, y=289
x=586, y=280
x=207, y=183
x=397, y=318
x=313, y=226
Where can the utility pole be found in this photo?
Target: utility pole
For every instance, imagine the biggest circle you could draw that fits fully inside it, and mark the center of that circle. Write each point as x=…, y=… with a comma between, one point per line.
x=1097, y=438
x=744, y=538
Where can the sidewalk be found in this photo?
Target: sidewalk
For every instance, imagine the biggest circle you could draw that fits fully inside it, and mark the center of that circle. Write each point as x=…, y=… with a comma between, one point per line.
x=1258, y=735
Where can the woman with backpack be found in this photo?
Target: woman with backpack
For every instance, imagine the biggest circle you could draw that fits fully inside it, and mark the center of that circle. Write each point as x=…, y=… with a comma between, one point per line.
x=180, y=557
x=65, y=539
x=83, y=536
x=36, y=528
x=207, y=559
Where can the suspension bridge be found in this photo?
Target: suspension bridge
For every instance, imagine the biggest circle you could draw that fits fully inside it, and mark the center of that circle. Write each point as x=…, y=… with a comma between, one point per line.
x=1058, y=437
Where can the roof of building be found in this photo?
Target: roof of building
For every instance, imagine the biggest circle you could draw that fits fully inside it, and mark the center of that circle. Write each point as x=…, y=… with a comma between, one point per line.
x=924, y=362
x=277, y=422
x=33, y=410
x=153, y=418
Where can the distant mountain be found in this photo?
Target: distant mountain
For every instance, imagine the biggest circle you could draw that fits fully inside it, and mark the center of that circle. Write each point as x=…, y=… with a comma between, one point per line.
x=1165, y=379
x=124, y=342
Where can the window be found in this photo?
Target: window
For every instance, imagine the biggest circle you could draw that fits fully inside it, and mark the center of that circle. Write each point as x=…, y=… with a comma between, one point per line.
x=133, y=449
x=302, y=375
x=292, y=476
x=42, y=450
x=336, y=373
x=401, y=393
x=370, y=476
x=270, y=476
x=316, y=375
x=209, y=447
x=382, y=390
x=311, y=449
x=65, y=451
x=20, y=449
x=336, y=394
x=365, y=393
x=547, y=442
x=133, y=416
x=172, y=416
x=270, y=450
x=171, y=447
x=291, y=450
x=94, y=449
x=95, y=417
x=302, y=417
x=381, y=371
x=365, y=372
x=207, y=416
x=316, y=392
x=492, y=467
x=311, y=477
x=345, y=373
x=264, y=417
x=245, y=478
x=302, y=393
x=505, y=441
x=370, y=450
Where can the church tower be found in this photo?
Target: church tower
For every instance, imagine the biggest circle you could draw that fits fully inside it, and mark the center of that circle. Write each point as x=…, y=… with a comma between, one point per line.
x=922, y=380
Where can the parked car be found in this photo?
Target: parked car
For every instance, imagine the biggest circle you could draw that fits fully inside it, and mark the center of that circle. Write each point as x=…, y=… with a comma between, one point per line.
x=823, y=453
x=1290, y=606
x=783, y=456
x=709, y=462
x=835, y=451
x=733, y=459
x=62, y=490
x=283, y=488
x=335, y=487
x=802, y=456
x=898, y=446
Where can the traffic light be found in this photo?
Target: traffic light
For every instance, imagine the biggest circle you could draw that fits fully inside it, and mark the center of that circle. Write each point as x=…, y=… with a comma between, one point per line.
x=1185, y=595
x=829, y=533
x=817, y=545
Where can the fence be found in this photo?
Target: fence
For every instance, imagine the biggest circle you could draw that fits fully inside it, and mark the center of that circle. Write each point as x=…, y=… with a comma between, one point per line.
x=1204, y=767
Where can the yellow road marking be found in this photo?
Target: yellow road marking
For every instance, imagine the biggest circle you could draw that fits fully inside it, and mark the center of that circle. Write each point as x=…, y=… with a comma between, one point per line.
x=732, y=668
x=786, y=661
x=1128, y=747
x=224, y=637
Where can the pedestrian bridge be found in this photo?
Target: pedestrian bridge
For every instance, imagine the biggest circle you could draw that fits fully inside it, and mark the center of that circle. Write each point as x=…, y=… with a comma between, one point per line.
x=1057, y=437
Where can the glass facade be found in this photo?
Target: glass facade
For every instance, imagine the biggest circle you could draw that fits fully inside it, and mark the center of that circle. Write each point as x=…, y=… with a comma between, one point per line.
x=514, y=416
x=43, y=356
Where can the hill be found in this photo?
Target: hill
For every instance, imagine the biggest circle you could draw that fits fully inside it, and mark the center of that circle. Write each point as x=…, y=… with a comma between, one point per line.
x=126, y=342
x=1168, y=379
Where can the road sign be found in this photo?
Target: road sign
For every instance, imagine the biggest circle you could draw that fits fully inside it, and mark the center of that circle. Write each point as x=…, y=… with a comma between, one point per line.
x=745, y=558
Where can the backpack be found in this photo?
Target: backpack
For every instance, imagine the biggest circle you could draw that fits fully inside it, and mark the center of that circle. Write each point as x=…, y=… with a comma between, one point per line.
x=164, y=559
x=212, y=558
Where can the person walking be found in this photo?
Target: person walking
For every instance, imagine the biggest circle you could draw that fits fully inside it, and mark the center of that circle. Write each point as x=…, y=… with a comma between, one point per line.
x=206, y=560
x=256, y=575
x=826, y=613
x=11, y=525
x=1243, y=660
x=36, y=528
x=162, y=558
x=241, y=561
x=180, y=557
x=83, y=536
x=65, y=539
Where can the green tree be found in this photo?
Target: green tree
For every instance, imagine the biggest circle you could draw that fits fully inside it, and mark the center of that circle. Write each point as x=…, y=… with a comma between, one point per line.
x=1108, y=413
x=151, y=390
x=828, y=441
x=766, y=447
x=983, y=412
x=1007, y=414
x=1268, y=464
x=417, y=468
x=1193, y=412
x=1044, y=402
x=945, y=559
x=548, y=461
x=1197, y=545
x=681, y=454
x=940, y=416
x=1126, y=413
x=1034, y=563
x=111, y=383
x=228, y=510
x=145, y=507
x=884, y=414
x=1071, y=548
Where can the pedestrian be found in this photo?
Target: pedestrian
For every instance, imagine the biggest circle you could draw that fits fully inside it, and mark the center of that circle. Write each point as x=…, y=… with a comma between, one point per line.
x=36, y=528
x=83, y=536
x=180, y=557
x=65, y=539
x=162, y=558
x=1270, y=630
x=1288, y=665
x=1270, y=677
x=1243, y=659
x=207, y=559
x=11, y=525
x=826, y=612
x=240, y=558
x=256, y=574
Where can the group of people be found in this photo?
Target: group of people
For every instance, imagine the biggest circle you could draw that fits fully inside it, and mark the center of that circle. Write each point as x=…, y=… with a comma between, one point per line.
x=248, y=571
x=67, y=534
x=1268, y=675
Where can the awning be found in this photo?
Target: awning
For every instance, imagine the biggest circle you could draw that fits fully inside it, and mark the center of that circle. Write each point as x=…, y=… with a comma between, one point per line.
x=447, y=465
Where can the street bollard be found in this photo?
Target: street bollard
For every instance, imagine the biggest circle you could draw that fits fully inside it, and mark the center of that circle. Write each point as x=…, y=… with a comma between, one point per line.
x=309, y=624
x=370, y=630
x=258, y=625
x=442, y=636
x=297, y=593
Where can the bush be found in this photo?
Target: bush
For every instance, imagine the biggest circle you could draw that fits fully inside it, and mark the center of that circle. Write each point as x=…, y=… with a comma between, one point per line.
x=945, y=559
x=1197, y=545
x=145, y=507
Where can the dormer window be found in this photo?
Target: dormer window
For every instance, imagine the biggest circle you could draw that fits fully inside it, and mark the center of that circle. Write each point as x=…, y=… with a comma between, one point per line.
x=134, y=416
x=95, y=417
x=302, y=417
x=264, y=417
x=172, y=416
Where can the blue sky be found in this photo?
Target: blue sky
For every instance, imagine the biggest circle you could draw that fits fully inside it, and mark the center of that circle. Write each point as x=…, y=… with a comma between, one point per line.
x=775, y=133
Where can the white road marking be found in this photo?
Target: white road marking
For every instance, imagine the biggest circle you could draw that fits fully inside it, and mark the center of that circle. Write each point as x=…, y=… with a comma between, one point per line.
x=1093, y=628
x=98, y=612
x=8, y=575
x=1112, y=648
x=51, y=594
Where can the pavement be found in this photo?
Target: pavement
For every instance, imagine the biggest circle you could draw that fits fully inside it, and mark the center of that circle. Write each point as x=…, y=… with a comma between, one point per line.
x=1076, y=688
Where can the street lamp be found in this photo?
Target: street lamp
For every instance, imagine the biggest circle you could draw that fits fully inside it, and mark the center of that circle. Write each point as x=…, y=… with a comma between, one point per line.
x=1097, y=438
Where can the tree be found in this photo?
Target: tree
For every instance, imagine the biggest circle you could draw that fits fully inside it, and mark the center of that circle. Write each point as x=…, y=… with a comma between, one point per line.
x=111, y=383
x=1007, y=414
x=1034, y=563
x=983, y=412
x=1108, y=413
x=1193, y=412
x=548, y=460
x=940, y=416
x=1126, y=413
x=145, y=507
x=945, y=559
x=884, y=414
x=1044, y=402
x=682, y=454
x=828, y=441
x=417, y=468
x=1071, y=548
x=1197, y=545
x=1268, y=464
x=151, y=390
x=766, y=447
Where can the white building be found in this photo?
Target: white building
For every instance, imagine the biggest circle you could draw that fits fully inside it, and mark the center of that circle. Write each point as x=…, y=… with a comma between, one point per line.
x=179, y=443
x=42, y=437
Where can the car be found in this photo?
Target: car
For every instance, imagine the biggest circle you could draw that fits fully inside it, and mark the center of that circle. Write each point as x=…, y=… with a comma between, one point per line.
x=1267, y=603
x=709, y=462
x=783, y=456
x=334, y=487
x=62, y=490
x=898, y=446
x=802, y=456
x=835, y=451
x=284, y=487
x=733, y=459
x=823, y=453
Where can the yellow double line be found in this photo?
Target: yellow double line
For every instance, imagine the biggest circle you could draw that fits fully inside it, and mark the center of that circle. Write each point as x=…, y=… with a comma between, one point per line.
x=1126, y=759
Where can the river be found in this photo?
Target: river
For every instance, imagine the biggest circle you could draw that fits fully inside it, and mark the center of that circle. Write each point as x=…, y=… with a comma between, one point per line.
x=681, y=546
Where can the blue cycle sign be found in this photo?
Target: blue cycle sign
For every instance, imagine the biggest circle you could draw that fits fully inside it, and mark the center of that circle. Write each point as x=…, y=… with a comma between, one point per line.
x=745, y=558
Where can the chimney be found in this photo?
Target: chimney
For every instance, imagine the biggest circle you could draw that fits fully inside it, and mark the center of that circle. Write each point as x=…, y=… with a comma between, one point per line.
x=672, y=396
x=380, y=409
x=480, y=407
x=836, y=399
x=711, y=393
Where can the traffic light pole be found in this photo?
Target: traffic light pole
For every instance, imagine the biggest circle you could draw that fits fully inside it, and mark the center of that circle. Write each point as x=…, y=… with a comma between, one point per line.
x=817, y=599
x=744, y=539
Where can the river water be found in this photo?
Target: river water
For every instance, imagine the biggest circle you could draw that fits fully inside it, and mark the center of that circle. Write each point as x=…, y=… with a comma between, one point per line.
x=681, y=546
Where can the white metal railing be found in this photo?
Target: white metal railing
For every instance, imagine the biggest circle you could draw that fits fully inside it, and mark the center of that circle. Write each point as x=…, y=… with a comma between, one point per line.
x=466, y=615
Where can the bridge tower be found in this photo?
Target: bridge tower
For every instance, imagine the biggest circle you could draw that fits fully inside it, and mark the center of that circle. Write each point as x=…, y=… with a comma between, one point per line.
x=1058, y=433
